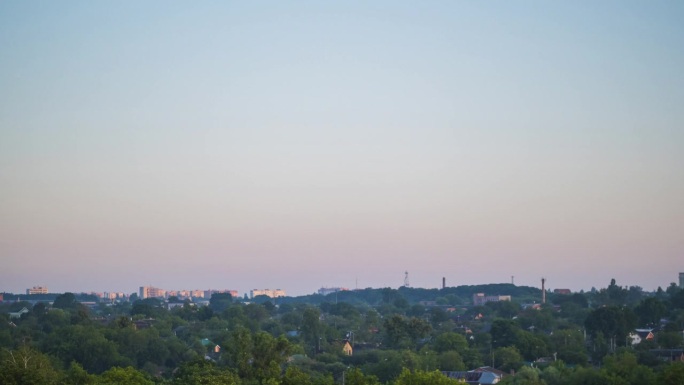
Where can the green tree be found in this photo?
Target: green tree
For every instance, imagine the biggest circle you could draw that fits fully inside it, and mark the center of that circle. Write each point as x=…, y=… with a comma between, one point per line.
x=612, y=321
x=26, y=366
x=76, y=375
x=295, y=376
x=450, y=361
x=507, y=358
x=311, y=328
x=504, y=309
x=240, y=351
x=616, y=294
x=531, y=345
x=650, y=311
x=525, y=376
x=504, y=332
x=569, y=346
x=401, y=332
x=85, y=345
x=268, y=354
x=66, y=301
x=624, y=365
x=356, y=377
x=202, y=372
x=438, y=316
x=420, y=377
x=219, y=302
x=670, y=340
x=673, y=374
x=123, y=376
x=449, y=341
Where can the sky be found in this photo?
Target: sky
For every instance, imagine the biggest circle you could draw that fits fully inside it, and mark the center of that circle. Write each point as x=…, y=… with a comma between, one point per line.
x=303, y=144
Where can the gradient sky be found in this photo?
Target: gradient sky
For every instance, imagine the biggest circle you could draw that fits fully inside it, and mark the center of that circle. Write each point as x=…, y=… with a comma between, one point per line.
x=294, y=145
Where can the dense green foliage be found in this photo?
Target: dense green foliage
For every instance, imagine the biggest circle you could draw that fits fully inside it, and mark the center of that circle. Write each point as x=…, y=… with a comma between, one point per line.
x=405, y=336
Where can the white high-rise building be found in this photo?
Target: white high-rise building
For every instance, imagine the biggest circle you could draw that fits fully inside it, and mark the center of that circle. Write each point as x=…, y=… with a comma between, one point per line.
x=37, y=290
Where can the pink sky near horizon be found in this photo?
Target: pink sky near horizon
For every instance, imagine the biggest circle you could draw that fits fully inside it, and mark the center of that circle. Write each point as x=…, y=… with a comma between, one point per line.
x=233, y=146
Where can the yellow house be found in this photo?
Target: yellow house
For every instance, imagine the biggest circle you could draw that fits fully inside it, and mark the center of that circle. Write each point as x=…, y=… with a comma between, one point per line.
x=347, y=349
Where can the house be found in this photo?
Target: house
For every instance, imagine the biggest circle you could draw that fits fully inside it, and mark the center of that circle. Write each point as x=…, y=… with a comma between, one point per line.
x=499, y=373
x=18, y=314
x=562, y=291
x=143, y=323
x=347, y=349
x=474, y=378
x=214, y=348
x=639, y=335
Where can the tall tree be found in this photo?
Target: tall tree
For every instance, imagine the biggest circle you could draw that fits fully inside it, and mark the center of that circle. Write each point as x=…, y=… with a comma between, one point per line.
x=650, y=311
x=613, y=322
x=26, y=366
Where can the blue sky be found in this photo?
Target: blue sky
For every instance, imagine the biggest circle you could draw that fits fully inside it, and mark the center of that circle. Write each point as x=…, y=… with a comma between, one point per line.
x=306, y=144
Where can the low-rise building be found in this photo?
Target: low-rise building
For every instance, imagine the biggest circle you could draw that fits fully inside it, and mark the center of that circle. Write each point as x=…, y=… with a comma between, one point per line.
x=273, y=293
x=210, y=292
x=330, y=290
x=18, y=314
x=479, y=299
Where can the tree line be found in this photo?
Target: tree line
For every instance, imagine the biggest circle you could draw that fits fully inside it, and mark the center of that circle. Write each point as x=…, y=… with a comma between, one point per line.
x=581, y=338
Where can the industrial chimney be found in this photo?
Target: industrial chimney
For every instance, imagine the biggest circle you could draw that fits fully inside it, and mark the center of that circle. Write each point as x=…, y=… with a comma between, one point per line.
x=543, y=290
x=443, y=282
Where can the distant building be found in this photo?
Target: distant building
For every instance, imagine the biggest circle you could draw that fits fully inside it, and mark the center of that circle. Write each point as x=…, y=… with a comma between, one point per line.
x=267, y=292
x=562, y=291
x=209, y=293
x=18, y=314
x=1, y=297
x=474, y=377
x=37, y=290
x=113, y=296
x=151, y=292
x=330, y=290
x=681, y=280
x=639, y=335
x=210, y=346
x=479, y=299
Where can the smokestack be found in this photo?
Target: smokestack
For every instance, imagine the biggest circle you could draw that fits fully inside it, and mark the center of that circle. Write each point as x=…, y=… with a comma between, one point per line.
x=543, y=290
x=443, y=282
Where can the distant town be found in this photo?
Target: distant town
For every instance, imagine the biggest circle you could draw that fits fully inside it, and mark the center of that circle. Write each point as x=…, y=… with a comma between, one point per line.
x=201, y=297
x=479, y=334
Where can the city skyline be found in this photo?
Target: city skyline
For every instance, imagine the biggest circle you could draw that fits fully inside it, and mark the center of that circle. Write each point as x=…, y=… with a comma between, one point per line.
x=304, y=145
x=175, y=291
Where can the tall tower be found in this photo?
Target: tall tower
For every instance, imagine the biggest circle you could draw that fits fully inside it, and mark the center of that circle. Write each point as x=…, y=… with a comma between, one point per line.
x=406, y=280
x=543, y=290
x=681, y=280
x=444, y=282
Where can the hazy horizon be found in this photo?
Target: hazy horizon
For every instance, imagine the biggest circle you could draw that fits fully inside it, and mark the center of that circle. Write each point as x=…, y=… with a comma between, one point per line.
x=233, y=145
